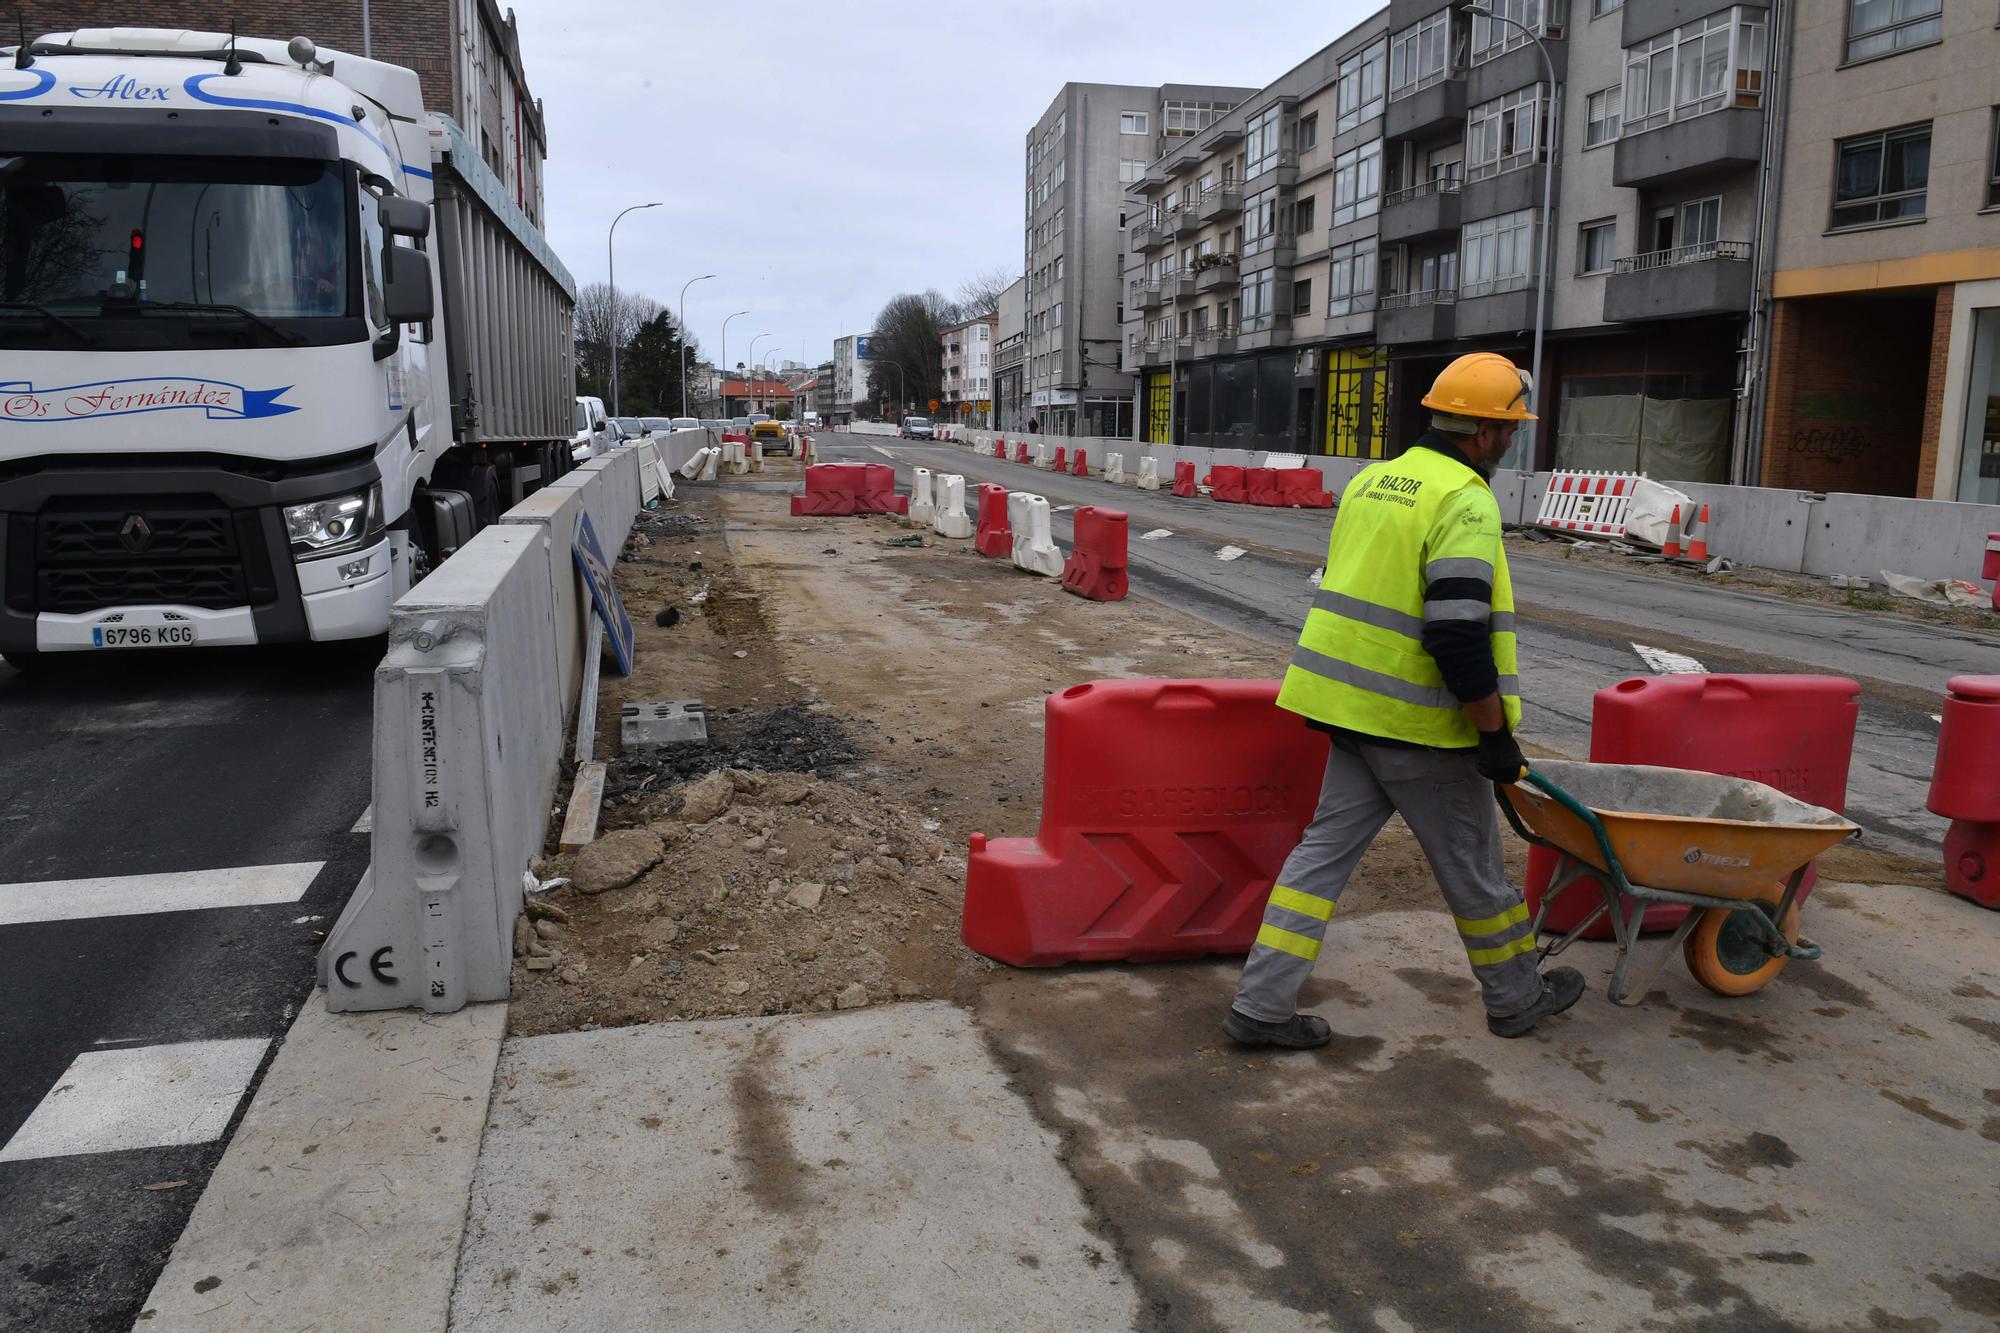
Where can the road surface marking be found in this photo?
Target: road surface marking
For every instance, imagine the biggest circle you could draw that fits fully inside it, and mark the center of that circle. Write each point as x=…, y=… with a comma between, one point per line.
x=1938, y=718
x=365, y=824
x=1230, y=553
x=1666, y=663
x=884, y=452
x=141, y=1097
x=1156, y=534
x=136, y=895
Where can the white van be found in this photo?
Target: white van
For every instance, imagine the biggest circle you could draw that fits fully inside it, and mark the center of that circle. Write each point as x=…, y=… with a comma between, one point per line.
x=590, y=431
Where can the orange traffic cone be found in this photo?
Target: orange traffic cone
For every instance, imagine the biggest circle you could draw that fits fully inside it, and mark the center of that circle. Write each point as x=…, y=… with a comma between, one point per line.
x=1698, y=548
x=1672, y=550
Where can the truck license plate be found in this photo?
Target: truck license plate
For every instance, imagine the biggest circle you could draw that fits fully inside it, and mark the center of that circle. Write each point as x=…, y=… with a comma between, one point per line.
x=142, y=636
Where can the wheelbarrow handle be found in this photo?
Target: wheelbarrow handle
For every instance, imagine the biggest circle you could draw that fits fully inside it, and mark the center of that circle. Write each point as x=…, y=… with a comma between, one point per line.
x=1548, y=787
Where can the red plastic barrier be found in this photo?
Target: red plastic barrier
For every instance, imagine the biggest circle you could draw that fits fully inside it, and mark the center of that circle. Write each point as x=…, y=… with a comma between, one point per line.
x=734, y=437
x=1096, y=564
x=1080, y=468
x=878, y=491
x=1228, y=484
x=1168, y=807
x=1990, y=567
x=1965, y=787
x=999, y=447
x=993, y=537
x=1260, y=486
x=1184, y=480
x=833, y=490
x=1020, y=451
x=1795, y=733
x=1303, y=487
x=1061, y=463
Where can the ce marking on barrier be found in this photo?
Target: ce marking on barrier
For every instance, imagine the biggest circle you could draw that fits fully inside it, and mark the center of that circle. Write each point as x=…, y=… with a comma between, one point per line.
x=379, y=965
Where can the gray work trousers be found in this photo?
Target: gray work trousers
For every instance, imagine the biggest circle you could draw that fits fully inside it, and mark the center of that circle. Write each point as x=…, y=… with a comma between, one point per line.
x=1449, y=807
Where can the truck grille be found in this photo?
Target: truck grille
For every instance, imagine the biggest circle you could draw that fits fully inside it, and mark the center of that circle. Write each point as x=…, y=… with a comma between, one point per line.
x=148, y=552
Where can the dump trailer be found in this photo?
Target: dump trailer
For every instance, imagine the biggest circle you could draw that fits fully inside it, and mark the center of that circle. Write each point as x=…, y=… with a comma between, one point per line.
x=275, y=342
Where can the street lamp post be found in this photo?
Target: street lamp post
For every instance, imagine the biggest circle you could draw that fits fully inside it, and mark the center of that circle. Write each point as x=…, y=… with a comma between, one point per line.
x=684, y=337
x=772, y=352
x=611, y=276
x=722, y=360
x=902, y=385
x=751, y=383
x=1553, y=137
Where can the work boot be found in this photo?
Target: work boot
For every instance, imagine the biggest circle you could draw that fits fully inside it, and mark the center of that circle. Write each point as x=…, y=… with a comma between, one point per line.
x=1300, y=1032
x=1561, y=988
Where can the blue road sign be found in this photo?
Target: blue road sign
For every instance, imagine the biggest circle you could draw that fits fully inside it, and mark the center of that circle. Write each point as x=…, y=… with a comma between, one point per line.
x=596, y=572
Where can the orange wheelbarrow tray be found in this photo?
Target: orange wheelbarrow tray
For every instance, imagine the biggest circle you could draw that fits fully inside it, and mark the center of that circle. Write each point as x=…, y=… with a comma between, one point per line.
x=1736, y=850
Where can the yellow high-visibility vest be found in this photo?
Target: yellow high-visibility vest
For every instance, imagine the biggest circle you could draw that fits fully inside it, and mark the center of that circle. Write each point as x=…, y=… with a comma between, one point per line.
x=1403, y=525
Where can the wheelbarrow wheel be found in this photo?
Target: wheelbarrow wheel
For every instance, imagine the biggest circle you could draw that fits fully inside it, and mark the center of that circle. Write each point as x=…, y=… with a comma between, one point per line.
x=1729, y=955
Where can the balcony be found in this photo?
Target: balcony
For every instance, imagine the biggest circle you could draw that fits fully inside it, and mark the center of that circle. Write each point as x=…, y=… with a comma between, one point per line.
x=1281, y=170
x=1681, y=150
x=1149, y=235
x=1220, y=201
x=1416, y=317
x=1148, y=294
x=1184, y=221
x=1268, y=330
x=1151, y=352
x=1711, y=278
x=1277, y=250
x=1219, y=276
x=1427, y=111
x=1504, y=307
x=1181, y=284
x=1215, y=340
x=1428, y=208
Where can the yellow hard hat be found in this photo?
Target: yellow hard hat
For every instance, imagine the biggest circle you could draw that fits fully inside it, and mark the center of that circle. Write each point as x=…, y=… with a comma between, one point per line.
x=1482, y=384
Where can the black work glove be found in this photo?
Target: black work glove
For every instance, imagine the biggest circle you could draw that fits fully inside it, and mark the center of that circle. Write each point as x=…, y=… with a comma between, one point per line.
x=1499, y=758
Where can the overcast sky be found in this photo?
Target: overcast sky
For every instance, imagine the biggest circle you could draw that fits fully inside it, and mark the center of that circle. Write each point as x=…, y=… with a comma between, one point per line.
x=820, y=157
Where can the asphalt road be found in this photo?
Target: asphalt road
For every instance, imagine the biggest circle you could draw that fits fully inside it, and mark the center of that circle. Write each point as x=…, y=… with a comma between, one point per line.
x=1578, y=623
x=143, y=992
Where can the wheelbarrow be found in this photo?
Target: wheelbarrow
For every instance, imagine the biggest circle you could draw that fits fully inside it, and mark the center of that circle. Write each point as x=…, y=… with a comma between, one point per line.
x=1733, y=849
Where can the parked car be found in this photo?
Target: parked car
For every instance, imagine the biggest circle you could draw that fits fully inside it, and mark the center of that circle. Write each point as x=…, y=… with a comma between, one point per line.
x=771, y=436
x=684, y=423
x=634, y=427
x=591, y=433
x=658, y=425
x=918, y=428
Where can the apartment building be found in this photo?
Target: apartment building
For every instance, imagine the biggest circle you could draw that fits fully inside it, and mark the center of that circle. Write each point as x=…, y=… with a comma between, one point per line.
x=1398, y=192
x=1010, y=358
x=850, y=377
x=1885, y=317
x=1090, y=145
x=968, y=371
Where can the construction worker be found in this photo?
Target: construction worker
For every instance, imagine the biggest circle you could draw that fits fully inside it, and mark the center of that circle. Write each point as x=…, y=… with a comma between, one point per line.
x=1407, y=660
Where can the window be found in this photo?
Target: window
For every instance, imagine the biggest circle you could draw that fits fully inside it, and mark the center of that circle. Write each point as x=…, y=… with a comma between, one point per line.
x=1498, y=254
x=1302, y=216
x=1055, y=315
x=1260, y=222
x=1491, y=37
x=1302, y=297
x=1357, y=183
x=1504, y=133
x=1267, y=142
x=1360, y=94
x=1131, y=122
x=1420, y=55
x=1701, y=224
x=1189, y=118
x=1881, y=177
x=1351, y=278
x=1258, y=312
x=1059, y=273
x=1308, y=132
x=1878, y=27
x=1687, y=72
x=1600, y=117
x=1438, y=273
x=1993, y=164
x=1597, y=246
x=1131, y=170
x=1599, y=8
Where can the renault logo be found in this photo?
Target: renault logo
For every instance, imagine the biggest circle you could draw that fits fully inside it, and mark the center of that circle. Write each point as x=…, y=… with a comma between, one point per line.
x=137, y=534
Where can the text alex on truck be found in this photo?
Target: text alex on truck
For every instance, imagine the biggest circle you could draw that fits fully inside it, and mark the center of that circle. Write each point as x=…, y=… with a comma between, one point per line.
x=273, y=342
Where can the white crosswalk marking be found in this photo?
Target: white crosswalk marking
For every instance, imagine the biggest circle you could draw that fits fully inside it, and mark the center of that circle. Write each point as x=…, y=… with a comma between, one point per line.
x=1666, y=663
x=141, y=1097
x=366, y=823
x=134, y=895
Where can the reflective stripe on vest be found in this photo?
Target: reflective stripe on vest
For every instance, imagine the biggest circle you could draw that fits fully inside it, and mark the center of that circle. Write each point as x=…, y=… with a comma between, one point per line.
x=1360, y=663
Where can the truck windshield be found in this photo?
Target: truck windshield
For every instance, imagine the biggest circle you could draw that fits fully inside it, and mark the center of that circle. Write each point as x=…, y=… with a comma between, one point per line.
x=96, y=239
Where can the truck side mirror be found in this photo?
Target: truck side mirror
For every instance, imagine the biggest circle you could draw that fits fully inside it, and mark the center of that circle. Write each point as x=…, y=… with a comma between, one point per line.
x=406, y=295
x=404, y=217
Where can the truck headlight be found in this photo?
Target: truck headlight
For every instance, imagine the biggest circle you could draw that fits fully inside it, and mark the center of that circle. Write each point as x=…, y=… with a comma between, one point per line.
x=338, y=523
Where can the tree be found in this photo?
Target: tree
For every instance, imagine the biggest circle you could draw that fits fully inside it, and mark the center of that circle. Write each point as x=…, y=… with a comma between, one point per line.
x=649, y=368
x=593, y=326
x=980, y=294
x=909, y=332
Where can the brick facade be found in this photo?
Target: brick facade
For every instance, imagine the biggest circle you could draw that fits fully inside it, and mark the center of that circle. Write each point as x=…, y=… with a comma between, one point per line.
x=1934, y=392
x=415, y=34
x=1853, y=387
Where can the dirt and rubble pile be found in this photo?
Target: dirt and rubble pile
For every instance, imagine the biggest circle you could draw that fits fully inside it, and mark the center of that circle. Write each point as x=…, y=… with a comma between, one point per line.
x=790, y=894
x=791, y=738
